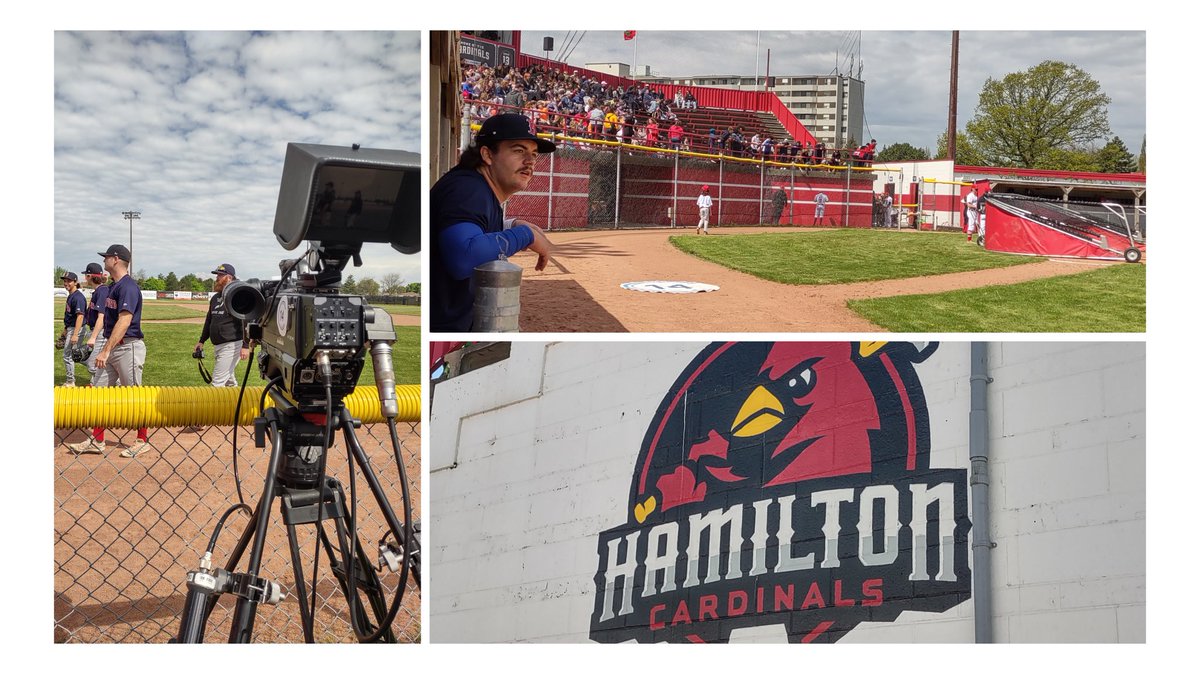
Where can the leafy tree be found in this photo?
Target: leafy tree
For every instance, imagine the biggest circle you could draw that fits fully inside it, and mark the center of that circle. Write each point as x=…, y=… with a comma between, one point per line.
x=902, y=152
x=1116, y=158
x=154, y=283
x=191, y=283
x=964, y=150
x=172, y=282
x=413, y=288
x=1023, y=118
x=1141, y=167
x=1072, y=159
x=368, y=286
x=58, y=274
x=349, y=285
x=392, y=284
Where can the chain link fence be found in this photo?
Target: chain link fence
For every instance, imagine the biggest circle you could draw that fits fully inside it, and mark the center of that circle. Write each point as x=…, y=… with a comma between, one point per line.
x=127, y=531
x=589, y=183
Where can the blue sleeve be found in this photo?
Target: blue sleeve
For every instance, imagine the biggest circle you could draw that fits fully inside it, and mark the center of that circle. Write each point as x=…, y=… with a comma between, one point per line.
x=466, y=246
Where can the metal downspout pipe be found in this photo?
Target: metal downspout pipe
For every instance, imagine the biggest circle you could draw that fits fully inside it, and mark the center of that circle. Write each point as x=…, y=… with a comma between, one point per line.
x=981, y=541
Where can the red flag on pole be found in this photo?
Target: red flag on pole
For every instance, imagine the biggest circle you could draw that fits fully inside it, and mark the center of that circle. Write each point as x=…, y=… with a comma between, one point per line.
x=630, y=34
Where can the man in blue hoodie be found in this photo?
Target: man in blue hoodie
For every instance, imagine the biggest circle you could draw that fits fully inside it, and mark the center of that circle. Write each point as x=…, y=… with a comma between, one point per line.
x=468, y=223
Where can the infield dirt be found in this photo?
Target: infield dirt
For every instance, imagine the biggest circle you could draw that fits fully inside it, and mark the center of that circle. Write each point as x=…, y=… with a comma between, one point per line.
x=580, y=291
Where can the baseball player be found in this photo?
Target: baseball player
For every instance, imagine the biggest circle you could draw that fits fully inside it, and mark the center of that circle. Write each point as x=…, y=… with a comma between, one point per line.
x=704, y=201
x=72, y=334
x=228, y=334
x=93, y=318
x=124, y=352
x=819, y=213
x=469, y=227
x=888, y=211
x=972, y=203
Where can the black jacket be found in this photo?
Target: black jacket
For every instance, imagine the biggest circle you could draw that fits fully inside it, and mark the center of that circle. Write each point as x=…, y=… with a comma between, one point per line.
x=220, y=326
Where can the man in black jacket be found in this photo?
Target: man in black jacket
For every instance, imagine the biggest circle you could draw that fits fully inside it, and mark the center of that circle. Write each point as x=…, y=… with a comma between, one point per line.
x=228, y=334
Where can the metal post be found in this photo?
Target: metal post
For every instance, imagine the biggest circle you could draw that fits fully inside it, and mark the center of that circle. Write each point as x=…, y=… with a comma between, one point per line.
x=617, y=192
x=131, y=216
x=720, y=185
x=791, y=196
x=762, y=172
x=550, y=196
x=846, y=198
x=981, y=540
x=675, y=194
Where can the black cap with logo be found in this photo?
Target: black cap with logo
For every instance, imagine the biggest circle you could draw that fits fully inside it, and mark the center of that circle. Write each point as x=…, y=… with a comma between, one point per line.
x=511, y=126
x=120, y=251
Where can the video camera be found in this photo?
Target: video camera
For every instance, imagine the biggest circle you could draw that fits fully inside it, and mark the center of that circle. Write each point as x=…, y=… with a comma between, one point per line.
x=313, y=336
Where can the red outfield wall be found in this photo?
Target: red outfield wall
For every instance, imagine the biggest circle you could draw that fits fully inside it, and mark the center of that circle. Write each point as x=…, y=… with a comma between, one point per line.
x=582, y=192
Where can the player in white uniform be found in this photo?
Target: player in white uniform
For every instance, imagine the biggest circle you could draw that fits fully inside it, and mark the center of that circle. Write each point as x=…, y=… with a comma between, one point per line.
x=972, y=202
x=819, y=213
x=705, y=203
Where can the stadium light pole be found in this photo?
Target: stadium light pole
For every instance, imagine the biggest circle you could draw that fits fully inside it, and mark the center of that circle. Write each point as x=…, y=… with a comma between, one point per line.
x=131, y=216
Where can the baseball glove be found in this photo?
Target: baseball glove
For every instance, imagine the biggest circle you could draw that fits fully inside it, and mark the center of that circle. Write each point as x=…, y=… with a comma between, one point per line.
x=81, y=352
x=60, y=342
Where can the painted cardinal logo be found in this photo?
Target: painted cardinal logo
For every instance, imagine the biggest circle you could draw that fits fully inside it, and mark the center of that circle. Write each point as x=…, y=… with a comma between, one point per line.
x=785, y=483
x=765, y=414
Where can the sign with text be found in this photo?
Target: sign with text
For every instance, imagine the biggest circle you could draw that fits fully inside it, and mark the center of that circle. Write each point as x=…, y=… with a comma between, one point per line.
x=785, y=483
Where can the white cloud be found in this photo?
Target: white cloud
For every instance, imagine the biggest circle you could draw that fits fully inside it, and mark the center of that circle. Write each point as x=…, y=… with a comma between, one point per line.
x=906, y=72
x=190, y=129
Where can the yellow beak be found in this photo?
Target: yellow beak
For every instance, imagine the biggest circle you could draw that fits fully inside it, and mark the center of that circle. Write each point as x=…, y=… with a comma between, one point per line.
x=761, y=412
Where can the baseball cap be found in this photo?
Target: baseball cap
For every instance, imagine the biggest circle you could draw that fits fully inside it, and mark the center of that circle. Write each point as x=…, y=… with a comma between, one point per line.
x=510, y=126
x=70, y=276
x=93, y=268
x=120, y=251
x=224, y=269
x=704, y=188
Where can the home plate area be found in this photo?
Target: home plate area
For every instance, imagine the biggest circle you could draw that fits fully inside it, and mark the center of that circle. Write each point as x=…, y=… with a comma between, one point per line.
x=672, y=287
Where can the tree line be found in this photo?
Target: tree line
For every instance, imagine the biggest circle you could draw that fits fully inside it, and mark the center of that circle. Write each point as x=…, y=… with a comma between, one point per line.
x=390, y=284
x=1052, y=116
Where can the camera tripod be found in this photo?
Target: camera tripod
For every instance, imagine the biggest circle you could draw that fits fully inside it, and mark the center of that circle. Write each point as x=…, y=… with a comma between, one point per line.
x=294, y=476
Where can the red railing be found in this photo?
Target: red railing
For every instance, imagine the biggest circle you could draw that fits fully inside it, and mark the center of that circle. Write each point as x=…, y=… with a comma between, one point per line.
x=564, y=124
x=708, y=97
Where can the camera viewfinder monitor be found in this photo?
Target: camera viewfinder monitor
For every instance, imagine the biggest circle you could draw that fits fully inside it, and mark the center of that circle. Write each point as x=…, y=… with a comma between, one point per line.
x=341, y=195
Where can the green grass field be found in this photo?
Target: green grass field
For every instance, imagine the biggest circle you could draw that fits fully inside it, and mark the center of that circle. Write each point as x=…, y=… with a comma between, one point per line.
x=845, y=255
x=1112, y=299
x=169, y=359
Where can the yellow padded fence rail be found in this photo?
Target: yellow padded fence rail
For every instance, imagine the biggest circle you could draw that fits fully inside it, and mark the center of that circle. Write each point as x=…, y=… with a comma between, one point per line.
x=159, y=406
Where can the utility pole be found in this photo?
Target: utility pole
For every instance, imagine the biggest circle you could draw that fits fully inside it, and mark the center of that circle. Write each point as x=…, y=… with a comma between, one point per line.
x=131, y=216
x=952, y=127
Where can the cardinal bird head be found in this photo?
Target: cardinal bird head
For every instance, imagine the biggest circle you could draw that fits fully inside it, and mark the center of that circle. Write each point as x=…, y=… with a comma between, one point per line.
x=758, y=415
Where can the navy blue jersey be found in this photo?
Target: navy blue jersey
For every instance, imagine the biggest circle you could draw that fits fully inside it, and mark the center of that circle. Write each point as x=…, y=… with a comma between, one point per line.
x=467, y=230
x=76, y=305
x=95, y=305
x=124, y=296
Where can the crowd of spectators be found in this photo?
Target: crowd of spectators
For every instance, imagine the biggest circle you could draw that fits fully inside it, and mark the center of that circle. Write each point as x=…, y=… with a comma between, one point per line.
x=571, y=104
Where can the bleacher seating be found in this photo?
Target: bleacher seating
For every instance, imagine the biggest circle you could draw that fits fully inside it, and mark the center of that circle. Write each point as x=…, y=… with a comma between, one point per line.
x=700, y=120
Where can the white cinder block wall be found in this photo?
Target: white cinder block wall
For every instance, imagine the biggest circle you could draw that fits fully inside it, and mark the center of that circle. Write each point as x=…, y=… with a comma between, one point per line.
x=531, y=458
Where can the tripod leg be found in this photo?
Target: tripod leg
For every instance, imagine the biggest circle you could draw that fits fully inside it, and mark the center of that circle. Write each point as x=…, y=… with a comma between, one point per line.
x=364, y=463
x=365, y=580
x=243, y=615
x=306, y=619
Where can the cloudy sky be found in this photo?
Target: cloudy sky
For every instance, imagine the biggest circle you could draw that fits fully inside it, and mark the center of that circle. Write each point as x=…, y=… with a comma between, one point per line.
x=907, y=73
x=190, y=130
